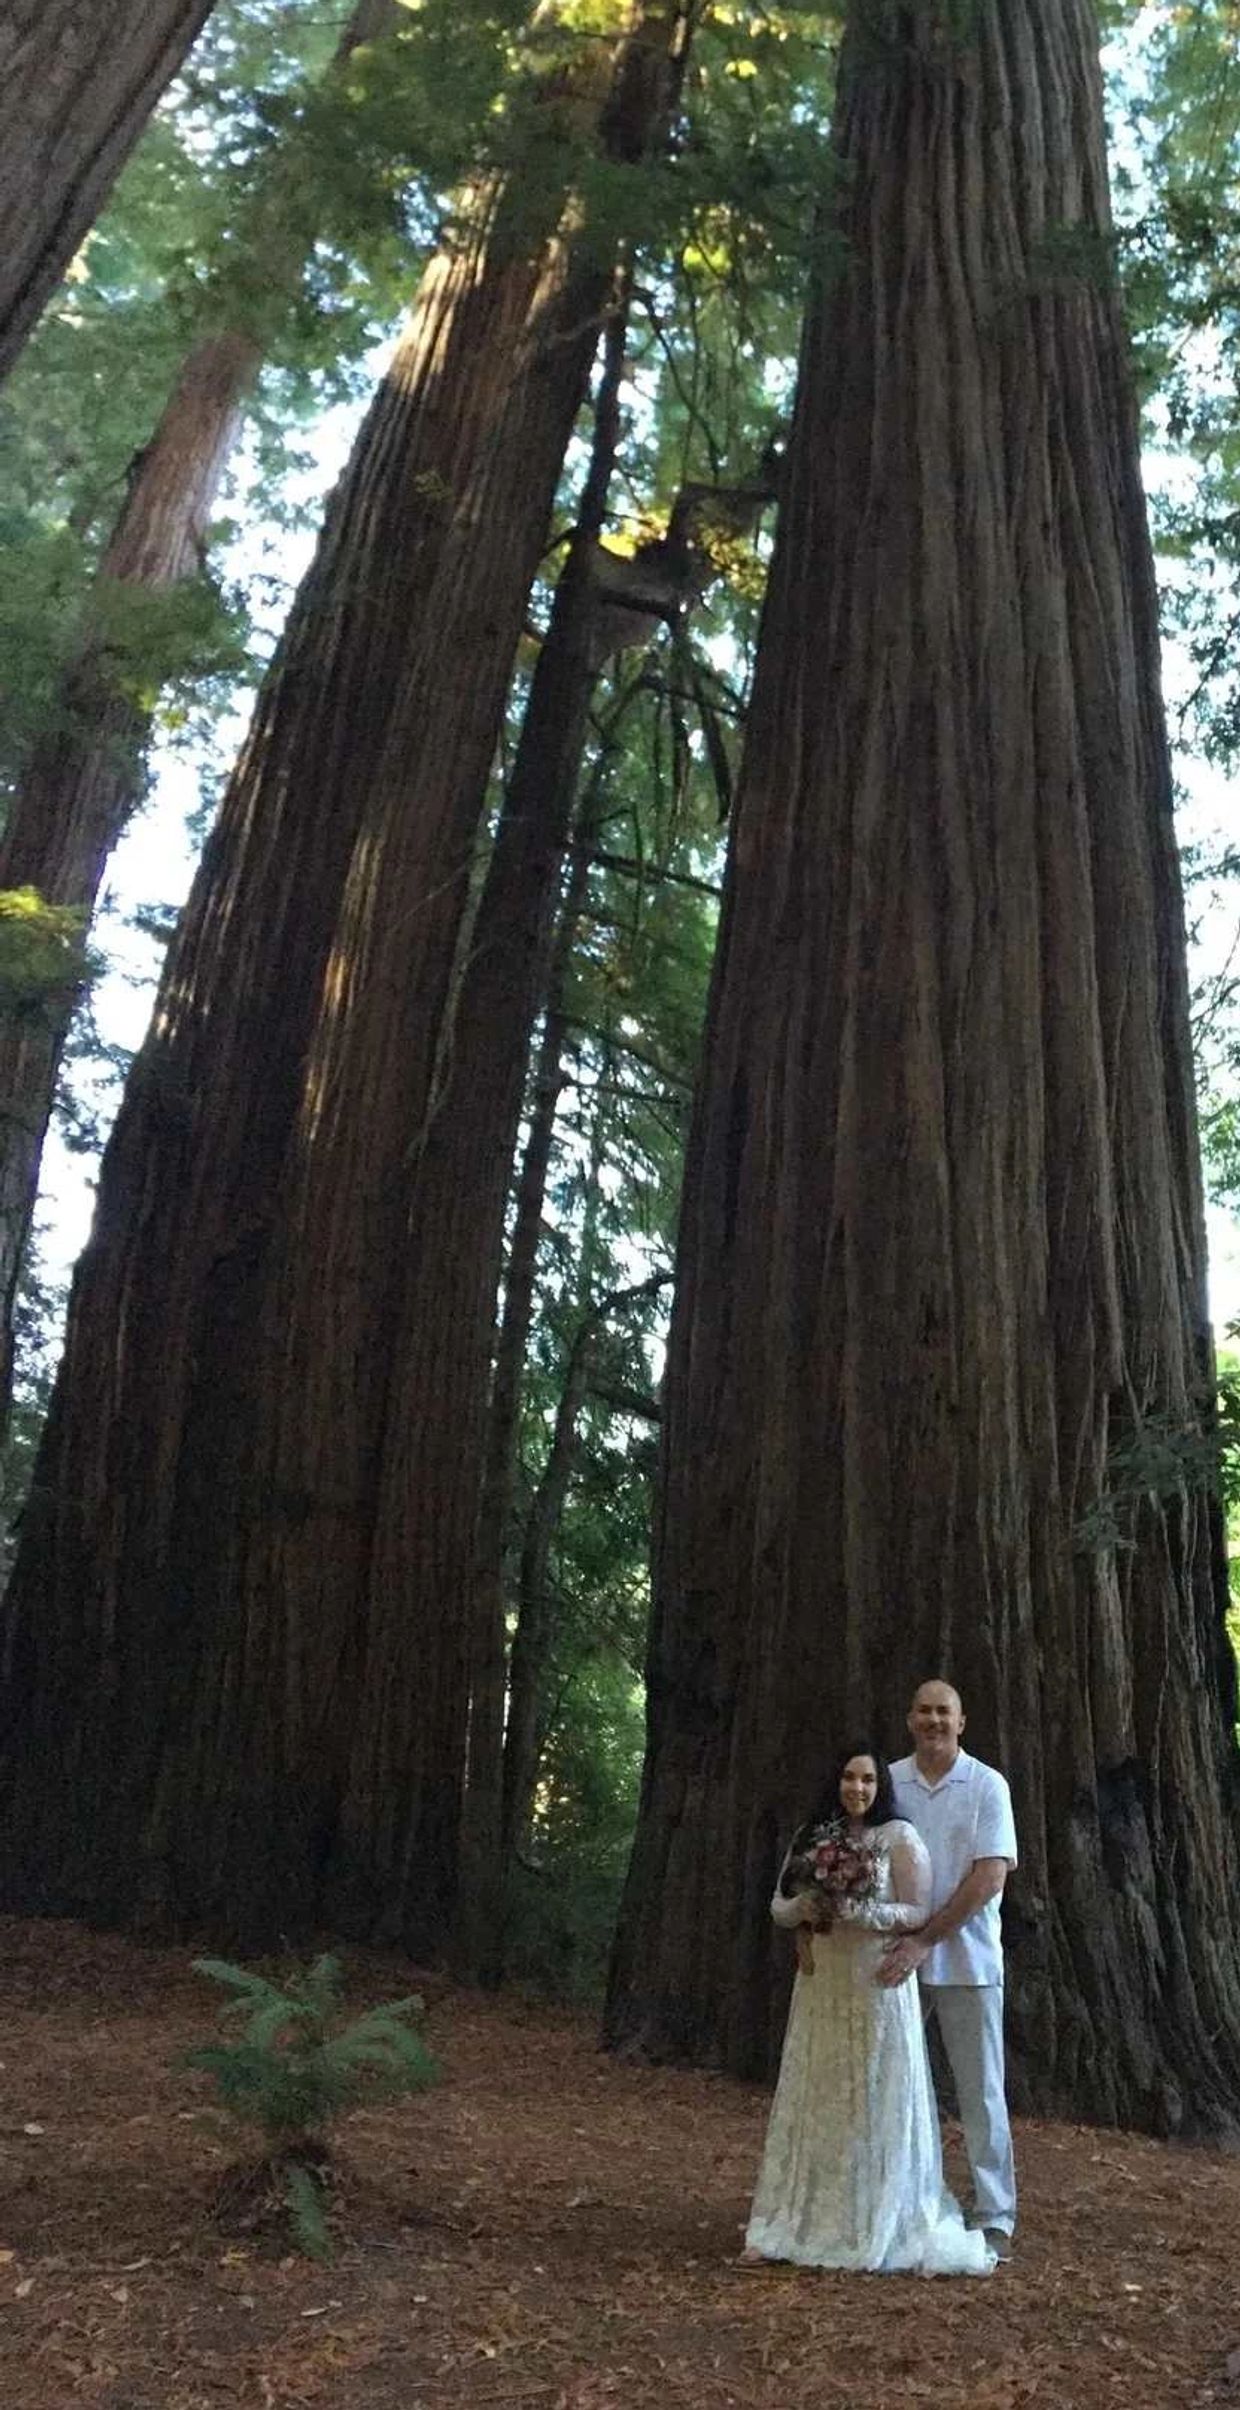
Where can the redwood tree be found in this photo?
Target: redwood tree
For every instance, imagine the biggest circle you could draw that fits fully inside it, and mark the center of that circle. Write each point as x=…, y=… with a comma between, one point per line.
x=77, y=84
x=939, y=1389
x=433, y=1477
x=86, y=772
x=199, y=1581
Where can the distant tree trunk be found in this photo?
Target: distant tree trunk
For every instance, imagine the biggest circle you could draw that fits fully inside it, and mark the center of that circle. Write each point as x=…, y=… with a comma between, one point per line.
x=535, y=1627
x=548, y=1076
x=942, y=1260
x=86, y=774
x=78, y=82
x=534, y=1638
x=496, y=1563
x=493, y=1553
x=190, y=1605
x=436, y=1417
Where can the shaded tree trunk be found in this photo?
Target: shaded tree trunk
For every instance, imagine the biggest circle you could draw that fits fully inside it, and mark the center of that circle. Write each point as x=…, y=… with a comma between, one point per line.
x=499, y=1461
x=496, y=1555
x=191, y=1600
x=86, y=775
x=535, y=1627
x=359, y=1239
x=499, y=1464
x=77, y=84
x=942, y=1253
x=456, y=1218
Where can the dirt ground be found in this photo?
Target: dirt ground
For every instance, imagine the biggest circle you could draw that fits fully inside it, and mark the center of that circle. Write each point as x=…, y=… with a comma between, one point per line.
x=548, y=2227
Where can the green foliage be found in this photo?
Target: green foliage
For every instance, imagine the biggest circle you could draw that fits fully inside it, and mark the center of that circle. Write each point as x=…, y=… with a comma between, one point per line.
x=1179, y=258
x=300, y=2063
x=173, y=657
x=163, y=648
x=43, y=958
x=38, y=1313
x=1157, y=1462
x=307, y=2210
x=44, y=579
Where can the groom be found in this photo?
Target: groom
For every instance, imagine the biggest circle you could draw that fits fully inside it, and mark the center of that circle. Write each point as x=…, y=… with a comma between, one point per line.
x=963, y=1812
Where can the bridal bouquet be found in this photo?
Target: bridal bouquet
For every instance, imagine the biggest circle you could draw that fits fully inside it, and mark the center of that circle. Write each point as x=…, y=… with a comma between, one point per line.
x=835, y=1866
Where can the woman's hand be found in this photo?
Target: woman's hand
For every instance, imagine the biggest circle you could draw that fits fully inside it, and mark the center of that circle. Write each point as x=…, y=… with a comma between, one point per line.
x=805, y=1950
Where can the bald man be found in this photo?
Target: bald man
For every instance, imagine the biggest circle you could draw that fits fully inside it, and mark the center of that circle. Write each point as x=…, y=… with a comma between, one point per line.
x=963, y=1811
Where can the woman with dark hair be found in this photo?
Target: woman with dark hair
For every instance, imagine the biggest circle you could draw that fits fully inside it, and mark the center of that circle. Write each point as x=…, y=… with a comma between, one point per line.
x=852, y=2171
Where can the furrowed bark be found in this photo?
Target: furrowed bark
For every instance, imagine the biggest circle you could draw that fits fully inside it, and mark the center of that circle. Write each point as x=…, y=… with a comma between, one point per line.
x=942, y=1249
x=191, y=1604
x=77, y=85
x=393, y=1863
x=87, y=774
x=436, y=1415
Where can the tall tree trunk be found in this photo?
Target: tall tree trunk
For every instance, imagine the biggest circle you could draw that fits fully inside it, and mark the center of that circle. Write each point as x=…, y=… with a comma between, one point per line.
x=942, y=1242
x=479, y=1933
x=494, y=1549
x=452, y=1249
x=549, y=1072
x=77, y=84
x=535, y=1627
x=532, y=1632
x=86, y=775
x=190, y=1602
x=352, y=1431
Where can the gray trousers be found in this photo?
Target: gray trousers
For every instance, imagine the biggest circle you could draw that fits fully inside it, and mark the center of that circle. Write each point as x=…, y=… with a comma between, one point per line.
x=970, y=2021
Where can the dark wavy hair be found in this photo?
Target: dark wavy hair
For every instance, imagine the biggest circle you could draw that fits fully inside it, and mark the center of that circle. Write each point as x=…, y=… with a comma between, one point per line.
x=881, y=1810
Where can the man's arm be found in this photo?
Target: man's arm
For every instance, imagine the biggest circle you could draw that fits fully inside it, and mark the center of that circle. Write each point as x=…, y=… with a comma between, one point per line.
x=984, y=1881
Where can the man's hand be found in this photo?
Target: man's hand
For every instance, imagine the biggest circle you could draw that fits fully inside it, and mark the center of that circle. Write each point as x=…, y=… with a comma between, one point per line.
x=900, y=1959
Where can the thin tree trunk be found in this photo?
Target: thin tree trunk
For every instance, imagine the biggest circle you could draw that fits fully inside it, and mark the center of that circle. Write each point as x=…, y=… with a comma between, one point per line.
x=534, y=1632
x=520, y=1271
x=78, y=82
x=480, y=1926
x=479, y=1934
x=457, y=1217
x=942, y=1240
x=534, y=1637
x=190, y=1603
x=86, y=775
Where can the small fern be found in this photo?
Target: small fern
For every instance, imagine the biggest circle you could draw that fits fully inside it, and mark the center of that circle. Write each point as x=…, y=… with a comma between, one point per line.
x=298, y=2064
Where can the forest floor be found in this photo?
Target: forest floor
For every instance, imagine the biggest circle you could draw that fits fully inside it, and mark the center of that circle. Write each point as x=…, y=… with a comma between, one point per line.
x=549, y=2228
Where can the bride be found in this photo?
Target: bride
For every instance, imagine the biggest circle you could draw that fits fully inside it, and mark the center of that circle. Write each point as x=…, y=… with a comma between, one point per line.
x=852, y=2173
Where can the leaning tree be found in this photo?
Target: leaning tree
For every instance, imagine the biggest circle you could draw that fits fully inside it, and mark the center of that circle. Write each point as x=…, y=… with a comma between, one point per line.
x=86, y=769
x=210, y=1708
x=939, y=1392
x=79, y=83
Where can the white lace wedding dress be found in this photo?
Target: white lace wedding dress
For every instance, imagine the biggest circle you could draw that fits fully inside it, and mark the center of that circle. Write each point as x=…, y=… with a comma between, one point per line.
x=852, y=2172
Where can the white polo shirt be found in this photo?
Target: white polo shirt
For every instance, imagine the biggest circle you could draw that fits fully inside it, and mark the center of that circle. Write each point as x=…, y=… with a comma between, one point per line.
x=968, y=1815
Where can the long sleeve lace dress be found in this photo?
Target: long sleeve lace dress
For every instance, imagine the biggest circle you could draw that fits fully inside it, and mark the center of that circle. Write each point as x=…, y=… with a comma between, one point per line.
x=852, y=2171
